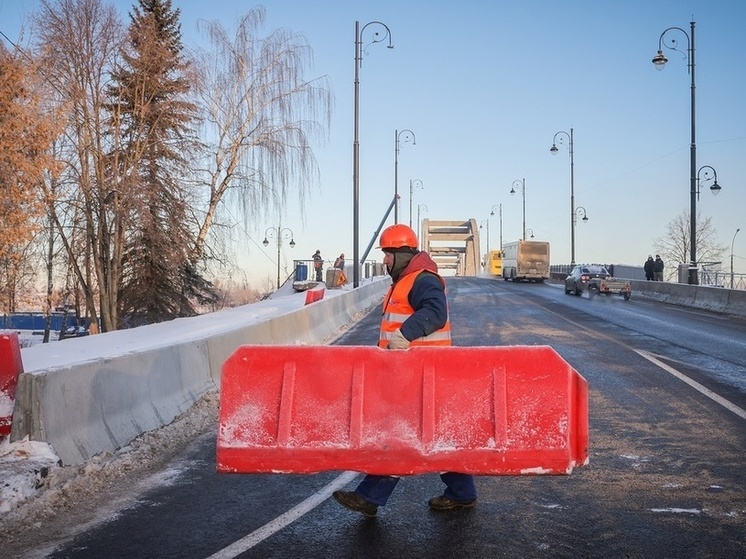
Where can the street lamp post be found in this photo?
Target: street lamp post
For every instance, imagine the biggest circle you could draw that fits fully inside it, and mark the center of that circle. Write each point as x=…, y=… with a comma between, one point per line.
x=559, y=139
x=659, y=60
x=279, y=233
x=487, y=221
x=500, y=211
x=408, y=137
x=731, y=256
x=522, y=184
x=378, y=36
x=419, y=222
x=412, y=184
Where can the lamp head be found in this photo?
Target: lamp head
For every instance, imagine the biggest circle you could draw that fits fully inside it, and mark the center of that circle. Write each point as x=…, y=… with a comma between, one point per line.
x=585, y=218
x=715, y=188
x=512, y=191
x=659, y=60
x=554, y=149
x=292, y=243
x=265, y=242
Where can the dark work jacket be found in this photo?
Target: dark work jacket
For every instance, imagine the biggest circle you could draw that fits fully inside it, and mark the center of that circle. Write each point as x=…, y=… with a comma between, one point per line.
x=427, y=298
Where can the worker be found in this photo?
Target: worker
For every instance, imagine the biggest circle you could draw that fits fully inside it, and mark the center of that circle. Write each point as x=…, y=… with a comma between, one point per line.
x=415, y=313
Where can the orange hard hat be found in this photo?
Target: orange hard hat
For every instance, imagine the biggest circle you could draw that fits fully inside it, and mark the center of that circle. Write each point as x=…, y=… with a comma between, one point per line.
x=398, y=236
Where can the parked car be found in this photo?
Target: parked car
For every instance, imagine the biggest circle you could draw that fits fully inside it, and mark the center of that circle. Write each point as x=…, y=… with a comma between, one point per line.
x=577, y=281
x=75, y=332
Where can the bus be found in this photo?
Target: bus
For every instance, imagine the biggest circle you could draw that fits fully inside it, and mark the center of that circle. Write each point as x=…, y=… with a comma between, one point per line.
x=525, y=260
x=493, y=263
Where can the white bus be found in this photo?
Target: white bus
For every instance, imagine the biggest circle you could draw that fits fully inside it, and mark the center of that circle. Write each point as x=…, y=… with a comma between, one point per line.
x=526, y=260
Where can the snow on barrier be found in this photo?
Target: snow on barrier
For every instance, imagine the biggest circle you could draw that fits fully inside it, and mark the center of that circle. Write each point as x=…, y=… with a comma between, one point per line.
x=316, y=293
x=512, y=410
x=11, y=367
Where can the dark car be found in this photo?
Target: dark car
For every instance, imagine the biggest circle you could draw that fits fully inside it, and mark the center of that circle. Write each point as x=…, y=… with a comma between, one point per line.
x=75, y=332
x=577, y=281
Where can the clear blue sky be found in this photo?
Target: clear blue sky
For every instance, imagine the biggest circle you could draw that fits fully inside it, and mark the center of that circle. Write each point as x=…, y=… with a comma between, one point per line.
x=484, y=85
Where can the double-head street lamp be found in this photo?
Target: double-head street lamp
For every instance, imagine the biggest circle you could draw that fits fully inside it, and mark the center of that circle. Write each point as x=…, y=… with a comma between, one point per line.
x=558, y=139
x=412, y=184
x=659, y=60
x=522, y=184
x=500, y=212
x=378, y=37
x=731, y=256
x=408, y=136
x=279, y=233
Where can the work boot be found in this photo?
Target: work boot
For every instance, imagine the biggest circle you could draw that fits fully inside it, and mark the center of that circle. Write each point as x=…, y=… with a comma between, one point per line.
x=444, y=503
x=355, y=502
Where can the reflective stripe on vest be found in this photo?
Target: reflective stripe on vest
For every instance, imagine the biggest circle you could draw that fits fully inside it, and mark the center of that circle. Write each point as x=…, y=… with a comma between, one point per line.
x=396, y=309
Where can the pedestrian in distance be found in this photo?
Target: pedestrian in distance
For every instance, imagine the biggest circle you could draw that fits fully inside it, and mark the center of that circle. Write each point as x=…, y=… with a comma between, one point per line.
x=415, y=313
x=648, y=267
x=339, y=264
x=318, y=264
x=658, y=268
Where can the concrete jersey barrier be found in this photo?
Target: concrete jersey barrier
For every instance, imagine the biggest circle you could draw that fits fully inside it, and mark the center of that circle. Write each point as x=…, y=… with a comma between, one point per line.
x=95, y=394
x=716, y=299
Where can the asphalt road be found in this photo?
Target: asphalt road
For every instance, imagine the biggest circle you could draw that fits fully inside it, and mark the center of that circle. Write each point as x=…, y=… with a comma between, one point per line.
x=667, y=472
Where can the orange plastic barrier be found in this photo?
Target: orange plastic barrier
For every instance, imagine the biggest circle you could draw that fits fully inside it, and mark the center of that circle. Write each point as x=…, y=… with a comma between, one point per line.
x=512, y=410
x=10, y=367
x=314, y=294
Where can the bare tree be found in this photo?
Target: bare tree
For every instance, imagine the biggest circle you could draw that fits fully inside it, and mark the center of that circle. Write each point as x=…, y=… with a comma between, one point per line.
x=259, y=114
x=676, y=244
x=80, y=42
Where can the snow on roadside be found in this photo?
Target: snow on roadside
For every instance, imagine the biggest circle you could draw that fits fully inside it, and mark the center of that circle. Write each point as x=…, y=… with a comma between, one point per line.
x=24, y=466
x=34, y=487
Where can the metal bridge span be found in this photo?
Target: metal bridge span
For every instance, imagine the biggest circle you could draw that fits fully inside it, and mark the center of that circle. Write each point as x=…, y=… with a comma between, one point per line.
x=454, y=245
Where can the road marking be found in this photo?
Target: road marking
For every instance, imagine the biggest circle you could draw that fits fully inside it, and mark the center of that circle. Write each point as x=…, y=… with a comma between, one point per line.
x=261, y=534
x=652, y=358
x=694, y=384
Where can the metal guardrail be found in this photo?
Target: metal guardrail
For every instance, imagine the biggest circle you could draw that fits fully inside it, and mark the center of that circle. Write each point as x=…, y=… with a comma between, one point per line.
x=722, y=279
x=304, y=270
x=712, y=278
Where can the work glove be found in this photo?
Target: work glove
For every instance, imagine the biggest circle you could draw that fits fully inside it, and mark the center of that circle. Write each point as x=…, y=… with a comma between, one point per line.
x=398, y=341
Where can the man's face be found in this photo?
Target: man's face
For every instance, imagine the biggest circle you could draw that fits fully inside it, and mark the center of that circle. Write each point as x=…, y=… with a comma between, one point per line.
x=388, y=259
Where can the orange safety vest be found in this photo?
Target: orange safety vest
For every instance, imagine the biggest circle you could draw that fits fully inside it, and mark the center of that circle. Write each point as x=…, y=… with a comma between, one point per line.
x=396, y=309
